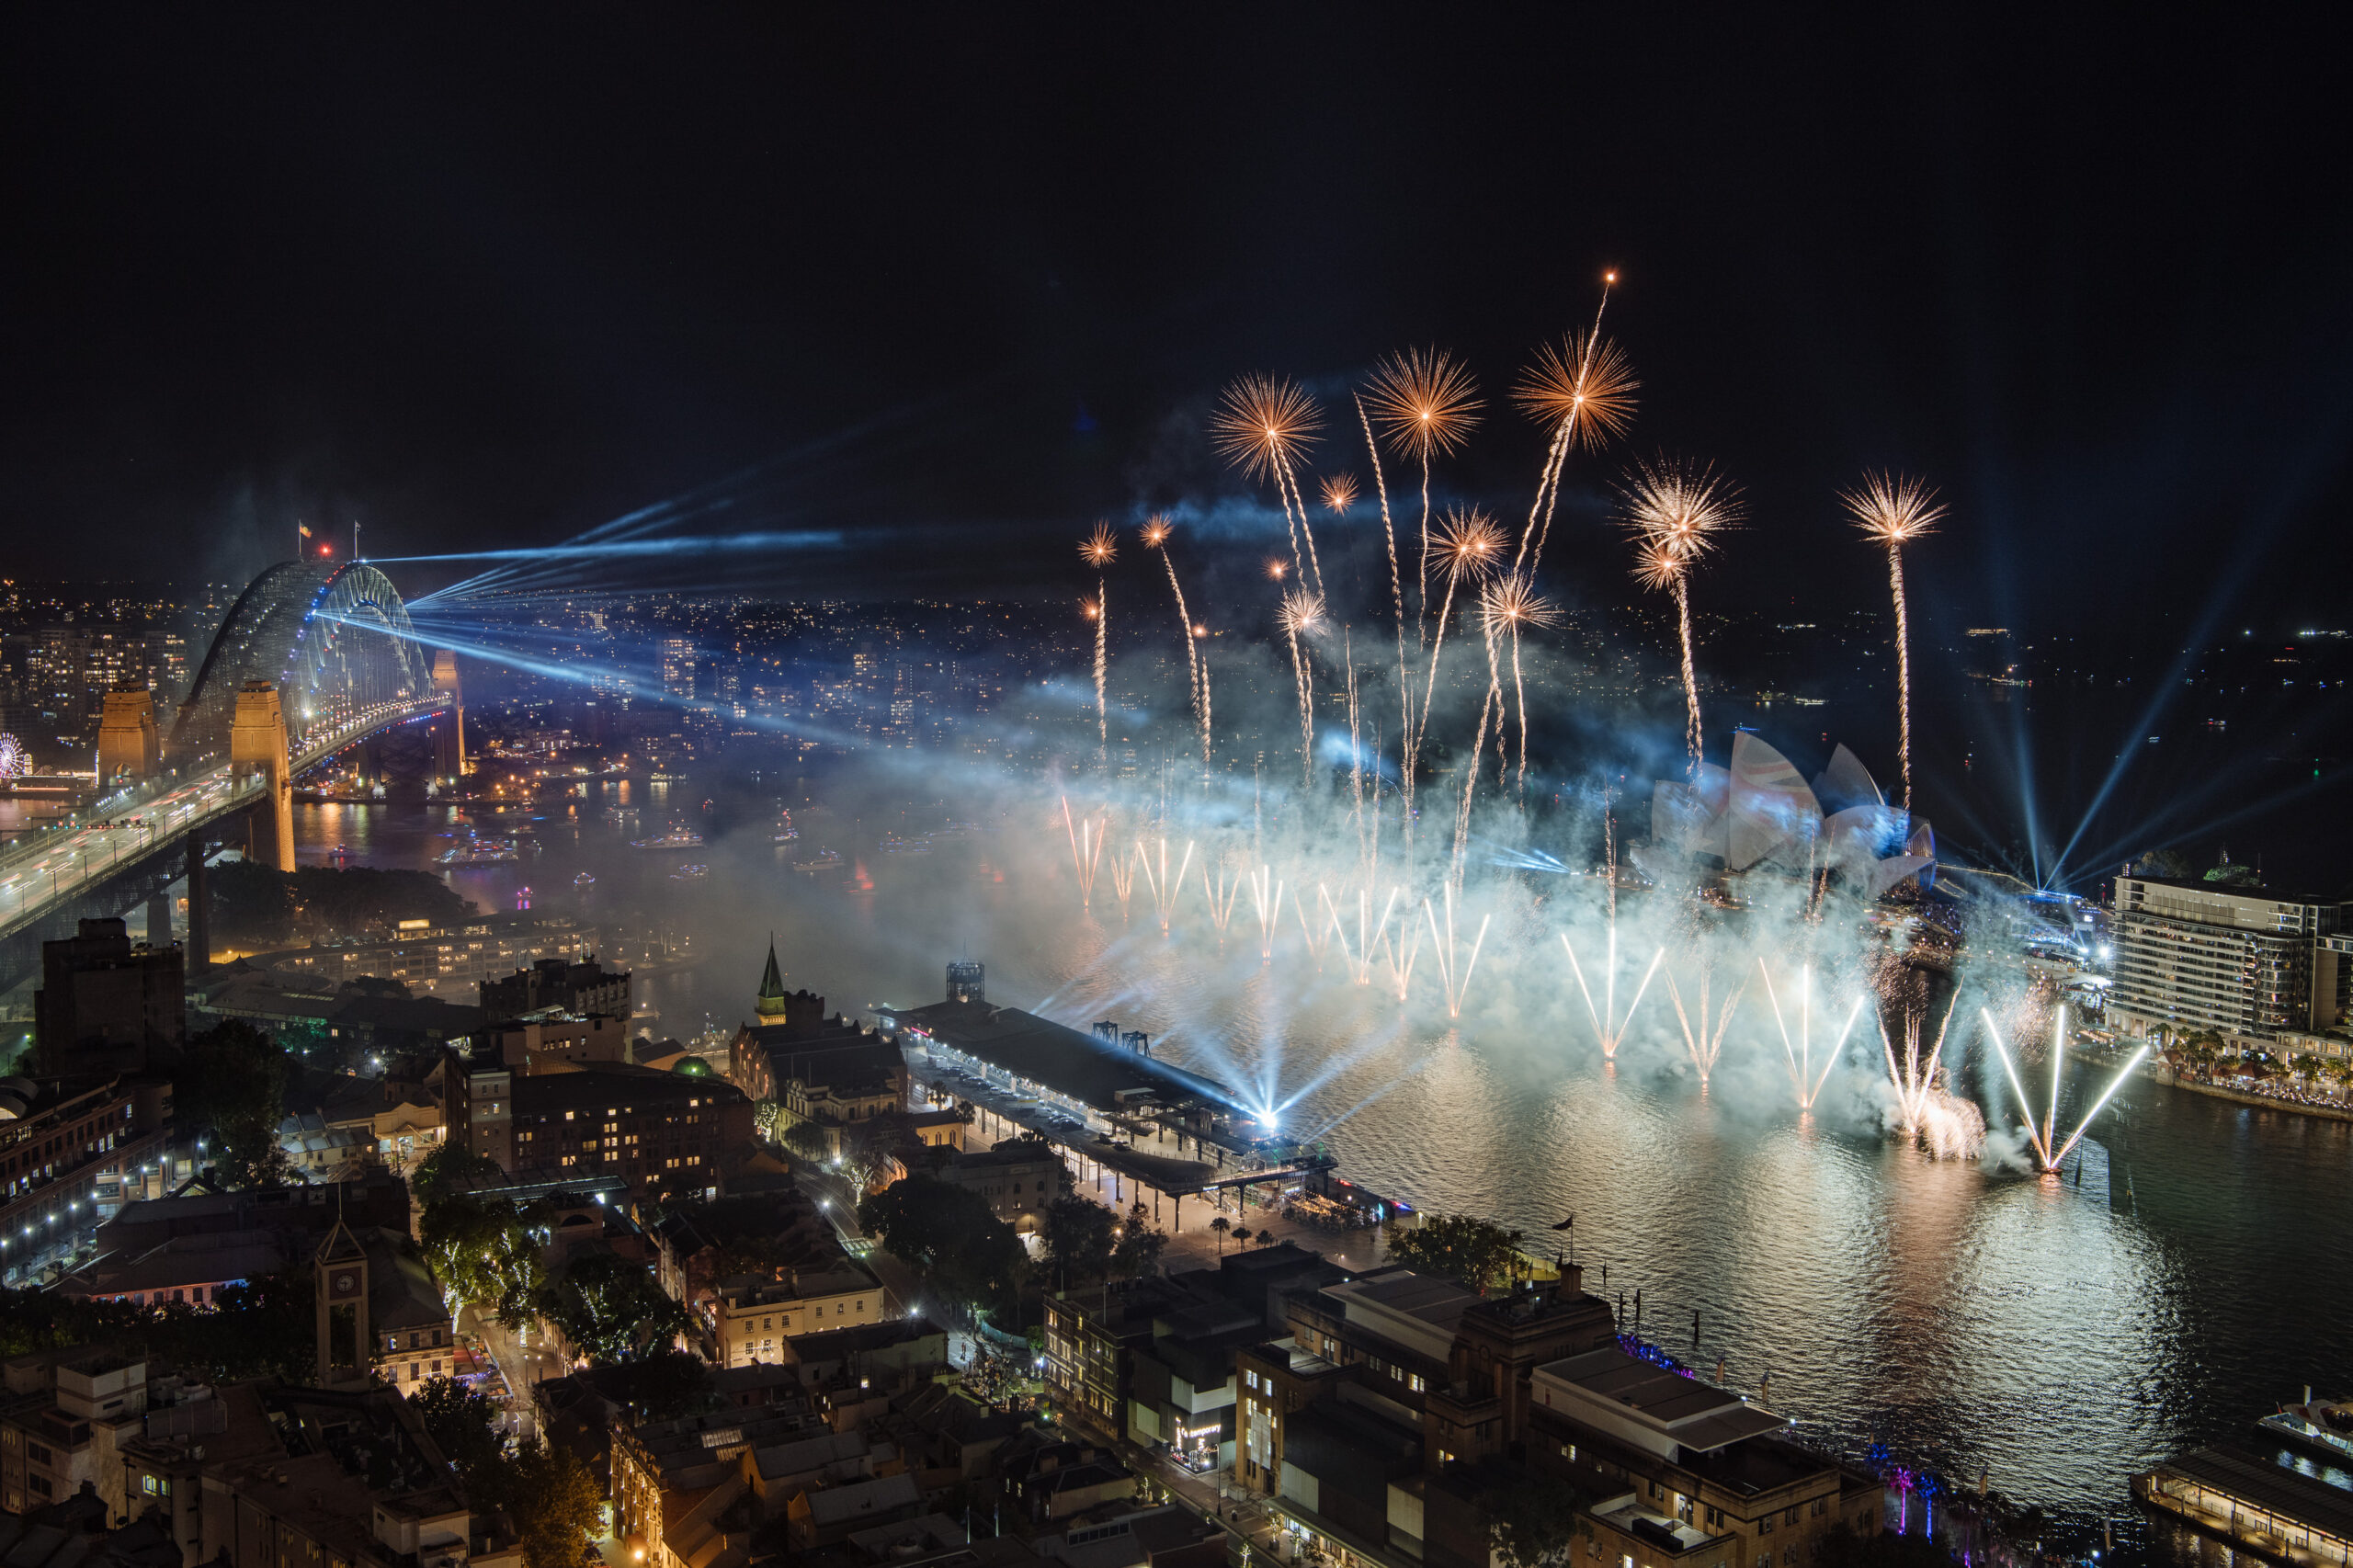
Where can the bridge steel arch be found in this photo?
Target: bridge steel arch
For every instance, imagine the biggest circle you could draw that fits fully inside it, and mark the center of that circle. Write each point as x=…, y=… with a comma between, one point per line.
x=332, y=639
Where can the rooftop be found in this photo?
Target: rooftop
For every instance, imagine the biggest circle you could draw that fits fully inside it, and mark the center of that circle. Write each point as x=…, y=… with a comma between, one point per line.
x=1060, y=1057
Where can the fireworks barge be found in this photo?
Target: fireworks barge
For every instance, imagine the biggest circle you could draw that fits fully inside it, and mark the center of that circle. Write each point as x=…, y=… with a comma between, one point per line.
x=1125, y=1116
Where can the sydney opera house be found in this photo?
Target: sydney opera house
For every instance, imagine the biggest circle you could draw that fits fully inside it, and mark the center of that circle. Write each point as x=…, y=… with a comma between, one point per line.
x=1760, y=813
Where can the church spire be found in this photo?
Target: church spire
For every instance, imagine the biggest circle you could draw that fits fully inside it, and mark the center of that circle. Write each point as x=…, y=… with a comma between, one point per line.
x=771, y=1002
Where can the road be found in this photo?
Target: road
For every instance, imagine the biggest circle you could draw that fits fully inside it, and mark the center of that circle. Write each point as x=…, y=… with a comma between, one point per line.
x=523, y=1367
x=41, y=868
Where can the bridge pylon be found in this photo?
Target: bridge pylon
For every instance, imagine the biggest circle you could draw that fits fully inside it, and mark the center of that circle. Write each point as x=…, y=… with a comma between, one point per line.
x=127, y=736
x=257, y=745
x=449, y=733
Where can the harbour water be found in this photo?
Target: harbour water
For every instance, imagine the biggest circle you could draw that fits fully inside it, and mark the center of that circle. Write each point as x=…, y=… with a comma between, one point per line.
x=2193, y=1272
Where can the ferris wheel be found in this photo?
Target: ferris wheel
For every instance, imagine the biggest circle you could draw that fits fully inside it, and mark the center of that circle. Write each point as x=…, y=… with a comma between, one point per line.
x=13, y=762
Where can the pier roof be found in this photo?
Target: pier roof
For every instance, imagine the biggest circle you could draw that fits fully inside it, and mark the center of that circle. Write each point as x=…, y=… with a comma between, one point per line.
x=1060, y=1057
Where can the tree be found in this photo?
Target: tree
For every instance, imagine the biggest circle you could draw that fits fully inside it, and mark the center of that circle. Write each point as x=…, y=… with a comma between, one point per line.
x=451, y=1169
x=612, y=1310
x=1220, y=1225
x=973, y=1259
x=554, y=1503
x=1532, y=1522
x=661, y=1385
x=1475, y=1254
x=1079, y=1235
x=485, y=1251
x=464, y=1426
x=232, y=1081
x=1141, y=1244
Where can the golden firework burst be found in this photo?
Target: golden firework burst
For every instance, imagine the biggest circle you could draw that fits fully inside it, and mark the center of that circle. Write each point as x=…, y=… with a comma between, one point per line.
x=1262, y=423
x=1512, y=602
x=1584, y=383
x=1098, y=548
x=1424, y=401
x=1681, y=505
x=1340, y=491
x=1278, y=568
x=1089, y=608
x=1302, y=612
x=1156, y=529
x=1469, y=542
x=1658, y=566
x=1894, y=509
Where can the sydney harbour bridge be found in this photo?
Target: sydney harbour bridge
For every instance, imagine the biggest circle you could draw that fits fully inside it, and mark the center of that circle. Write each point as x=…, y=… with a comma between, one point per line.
x=313, y=659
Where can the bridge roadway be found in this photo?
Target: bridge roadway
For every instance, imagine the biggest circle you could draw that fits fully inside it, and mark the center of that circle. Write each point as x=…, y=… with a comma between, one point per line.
x=44, y=873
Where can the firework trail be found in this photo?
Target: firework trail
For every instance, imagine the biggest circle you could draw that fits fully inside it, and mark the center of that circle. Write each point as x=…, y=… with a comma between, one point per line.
x=1303, y=612
x=1317, y=937
x=1675, y=511
x=1397, y=592
x=1220, y=895
x=1914, y=1079
x=1609, y=1028
x=2045, y=1136
x=1705, y=1041
x=1513, y=604
x=1469, y=543
x=1263, y=423
x=1163, y=887
x=1098, y=551
x=1584, y=389
x=1800, y=1050
x=1155, y=536
x=1123, y=881
x=1266, y=903
x=1444, y=950
x=1893, y=510
x=1426, y=405
x=1085, y=853
x=1490, y=700
x=1370, y=933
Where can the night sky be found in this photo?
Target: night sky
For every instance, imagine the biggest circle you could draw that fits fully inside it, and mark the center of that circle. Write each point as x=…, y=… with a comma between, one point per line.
x=966, y=279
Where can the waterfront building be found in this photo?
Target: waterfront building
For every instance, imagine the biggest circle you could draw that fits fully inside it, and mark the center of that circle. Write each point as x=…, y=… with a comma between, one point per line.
x=580, y=986
x=2249, y=965
x=2277, y=1513
x=450, y=962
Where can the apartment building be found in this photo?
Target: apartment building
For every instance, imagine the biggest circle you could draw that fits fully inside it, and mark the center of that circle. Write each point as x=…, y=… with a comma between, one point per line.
x=2249, y=965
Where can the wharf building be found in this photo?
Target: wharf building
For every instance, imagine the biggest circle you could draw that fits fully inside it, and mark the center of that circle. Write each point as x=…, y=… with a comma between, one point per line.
x=1133, y=1124
x=70, y=1151
x=2251, y=966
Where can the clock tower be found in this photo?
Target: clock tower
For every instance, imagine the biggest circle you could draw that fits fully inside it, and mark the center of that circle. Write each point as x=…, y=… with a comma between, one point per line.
x=341, y=1271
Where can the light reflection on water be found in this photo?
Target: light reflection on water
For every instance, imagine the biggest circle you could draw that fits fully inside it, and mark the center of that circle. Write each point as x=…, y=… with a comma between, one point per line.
x=2059, y=1338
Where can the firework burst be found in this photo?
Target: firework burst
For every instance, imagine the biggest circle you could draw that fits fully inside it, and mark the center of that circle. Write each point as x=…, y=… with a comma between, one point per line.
x=1675, y=511
x=1511, y=605
x=1468, y=545
x=1263, y=425
x=1340, y=491
x=1893, y=510
x=1584, y=390
x=1099, y=548
x=1426, y=405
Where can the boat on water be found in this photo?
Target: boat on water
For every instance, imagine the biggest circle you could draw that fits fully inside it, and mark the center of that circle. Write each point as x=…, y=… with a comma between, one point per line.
x=894, y=844
x=2319, y=1427
x=480, y=852
x=690, y=873
x=785, y=832
x=824, y=860
x=677, y=838
x=584, y=879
